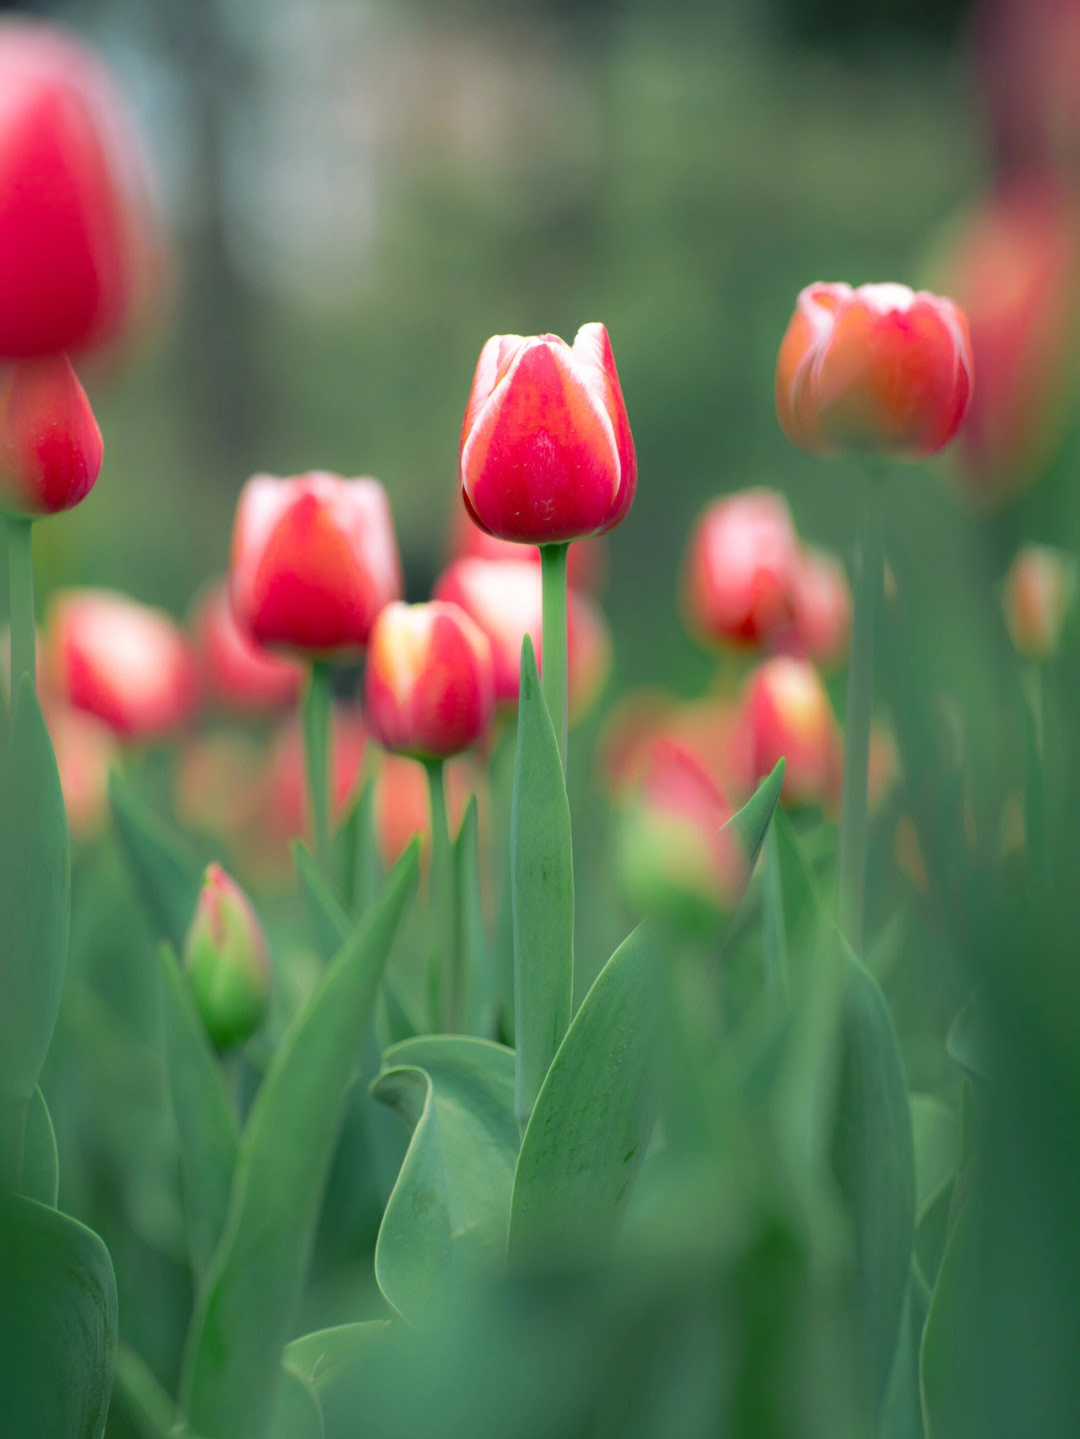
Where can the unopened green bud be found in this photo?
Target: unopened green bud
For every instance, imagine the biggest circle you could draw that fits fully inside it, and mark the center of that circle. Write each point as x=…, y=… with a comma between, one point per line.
x=225, y=954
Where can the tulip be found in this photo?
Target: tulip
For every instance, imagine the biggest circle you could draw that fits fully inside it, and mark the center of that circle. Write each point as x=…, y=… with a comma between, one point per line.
x=226, y=957
x=546, y=451
x=1039, y=592
x=429, y=686
x=788, y=715
x=740, y=571
x=879, y=370
x=126, y=662
x=314, y=560
x=1012, y=259
x=50, y=444
x=78, y=242
x=821, y=624
x=676, y=858
x=237, y=675
x=586, y=564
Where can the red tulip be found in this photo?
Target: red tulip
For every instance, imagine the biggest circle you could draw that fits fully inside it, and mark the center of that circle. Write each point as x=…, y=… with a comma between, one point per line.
x=881, y=370
x=50, y=444
x=788, y=715
x=740, y=572
x=314, y=560
x=821, y=625
x=1039, y=591
x=546, y=451
x=239, y=676
x=429, y=685
x=123, y=661
x=77, y=239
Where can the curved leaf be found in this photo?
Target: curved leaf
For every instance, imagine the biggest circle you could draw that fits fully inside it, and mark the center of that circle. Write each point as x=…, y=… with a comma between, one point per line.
x=243, y=1316
x=41, y=1164
x=542, y=891
x=595, y=1113
x=320, y=1358
x=296, y=1413
x=35, y=895
x=448, y=1211
x=57, y=1323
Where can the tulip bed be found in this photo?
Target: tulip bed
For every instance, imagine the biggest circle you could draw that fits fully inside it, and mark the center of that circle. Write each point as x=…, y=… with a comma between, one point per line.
x=405, y=1033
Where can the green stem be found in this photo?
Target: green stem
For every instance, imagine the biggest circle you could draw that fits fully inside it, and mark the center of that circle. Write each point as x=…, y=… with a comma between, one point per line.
x=446, y=980
x=316, y=723
x=553, y=677
x=21, y=589
x=854, y=818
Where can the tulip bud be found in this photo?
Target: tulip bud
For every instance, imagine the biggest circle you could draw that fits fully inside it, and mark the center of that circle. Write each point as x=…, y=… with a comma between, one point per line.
x=50, y=444
x=739, y=576
x=880, y=370
x=238, y=676
x=226, y=956
x=1040, y=589
x=429, y=685
x=546, y=451
x=123, y=661
x=675, y=859
x=788, y=716
x=78, y=243
x=314, y=560
x=503, y=597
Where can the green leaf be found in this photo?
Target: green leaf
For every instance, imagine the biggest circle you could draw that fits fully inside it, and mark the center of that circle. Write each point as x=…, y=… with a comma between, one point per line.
x=320, y=1358
x=141, y=1398
x=205, y=1123
x=356, y=855
x=752, y=821
x=35, y=896
x=937, y=1148
x=41, y=1164
x=245, y=1310
x=901, y=1413
x=167, y=872
x=296, y=1413
x=328, y=915
x=968, y=1039
x=792, y=912
x=872, y=1156
x=446, y=1217
x=595, y=1113
x=542, y=868
x=57, y=1323
x=475, y=956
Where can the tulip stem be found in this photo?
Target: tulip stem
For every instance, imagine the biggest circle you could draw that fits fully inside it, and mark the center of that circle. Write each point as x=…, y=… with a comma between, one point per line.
x=553, y=639
x=21, y=590
x=441, y=906
x=854, y=816
x=316, y=723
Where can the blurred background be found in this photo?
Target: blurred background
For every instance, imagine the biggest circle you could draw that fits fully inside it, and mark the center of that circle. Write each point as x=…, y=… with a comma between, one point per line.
x=358, y=192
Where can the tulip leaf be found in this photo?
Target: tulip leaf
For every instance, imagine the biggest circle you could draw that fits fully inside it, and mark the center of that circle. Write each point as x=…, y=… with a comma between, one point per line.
x=595, y=1113
x=57, y=1323
x=35, y=896
x=167, y=872
x=901, y=1412
x=937, y=1148
x=205, y=1122
x=296, y=1413
x=751, y=823
x=320, y=1358
x=142, y=1399
x=968, y=1039
x=477, y=975
x=245, y=1310
x=356, y=855
x=872, y=1158
x=446, y=1217
x=542, y=891
x=328, y=915
x=41, y=1164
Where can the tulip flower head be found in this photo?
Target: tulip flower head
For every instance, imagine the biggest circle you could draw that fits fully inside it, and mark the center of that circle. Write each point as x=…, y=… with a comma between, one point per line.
x=787, y=713
x=50, y=444
x=126, y=662
x=226, y=956
x=880, y=370
x=739, y=577
x=238, y=676
x=314, y=560
x=429, y=684
x=546, y=451
x=79, y=244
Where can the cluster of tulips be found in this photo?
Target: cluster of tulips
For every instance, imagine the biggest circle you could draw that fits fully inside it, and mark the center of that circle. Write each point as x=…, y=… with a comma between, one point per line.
x=305, y=701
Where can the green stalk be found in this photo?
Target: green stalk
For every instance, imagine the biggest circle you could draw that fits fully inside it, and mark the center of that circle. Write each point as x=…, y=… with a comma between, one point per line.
x=854, y=818
x=553, y=680
x=316, y=724
x=445, y=960
x=21, y=589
